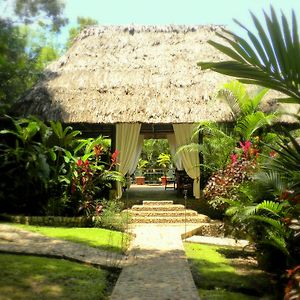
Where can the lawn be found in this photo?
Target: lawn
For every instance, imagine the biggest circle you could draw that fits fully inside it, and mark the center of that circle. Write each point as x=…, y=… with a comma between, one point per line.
x=225, y=273
x=28, y=277
x=95, y=237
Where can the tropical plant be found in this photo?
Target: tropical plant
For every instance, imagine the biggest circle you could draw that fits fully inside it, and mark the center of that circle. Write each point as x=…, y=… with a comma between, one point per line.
x=151, y=150
x=47, y=170
x=270, y=60
x=269, y=210
x=164, y=161
x=142, y=164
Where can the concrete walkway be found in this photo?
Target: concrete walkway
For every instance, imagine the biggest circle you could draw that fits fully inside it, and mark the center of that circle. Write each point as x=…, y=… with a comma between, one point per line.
x=15, y=240
x=159, y=270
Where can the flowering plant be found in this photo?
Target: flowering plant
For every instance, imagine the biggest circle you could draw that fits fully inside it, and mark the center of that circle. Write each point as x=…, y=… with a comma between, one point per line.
x=92, y=177
x=223, y=182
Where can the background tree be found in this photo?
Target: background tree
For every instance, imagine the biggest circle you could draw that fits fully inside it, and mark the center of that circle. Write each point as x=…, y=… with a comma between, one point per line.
x=23, y=55
x=81, y=24
x=48, y=13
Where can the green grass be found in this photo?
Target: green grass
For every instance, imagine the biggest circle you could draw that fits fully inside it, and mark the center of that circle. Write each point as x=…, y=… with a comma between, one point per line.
x=28, y=277
x=217, y=278
x=95, y=237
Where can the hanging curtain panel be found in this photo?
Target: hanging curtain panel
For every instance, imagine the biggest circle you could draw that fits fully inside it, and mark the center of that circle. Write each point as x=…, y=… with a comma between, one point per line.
x=137, y=155
x=127, y=137
x=173, y=148
x=190, y=159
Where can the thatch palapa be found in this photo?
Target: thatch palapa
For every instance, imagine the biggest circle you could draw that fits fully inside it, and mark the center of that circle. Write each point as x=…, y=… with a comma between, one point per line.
x=145, y=74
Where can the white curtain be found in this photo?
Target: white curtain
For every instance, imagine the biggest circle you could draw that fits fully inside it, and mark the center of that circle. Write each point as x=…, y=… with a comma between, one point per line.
x=137, y=155
x=190, y=159
x=173, y=148
x=127, y=136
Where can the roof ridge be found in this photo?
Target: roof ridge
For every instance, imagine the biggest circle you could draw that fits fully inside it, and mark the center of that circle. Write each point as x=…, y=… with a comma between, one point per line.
x=136, y=28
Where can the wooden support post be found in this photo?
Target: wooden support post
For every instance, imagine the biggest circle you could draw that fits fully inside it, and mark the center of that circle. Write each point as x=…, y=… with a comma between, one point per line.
x=200, y=141
x=113, y=139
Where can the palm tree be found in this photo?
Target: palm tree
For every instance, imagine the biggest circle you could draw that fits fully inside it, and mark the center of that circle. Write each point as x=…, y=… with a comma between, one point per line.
x=272, y=59
x=245, y=109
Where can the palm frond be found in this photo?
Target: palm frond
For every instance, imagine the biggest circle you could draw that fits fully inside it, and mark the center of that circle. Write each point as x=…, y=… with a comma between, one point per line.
x=271, y=182
x=247, y=126
x=271, y=59
x=270, y=207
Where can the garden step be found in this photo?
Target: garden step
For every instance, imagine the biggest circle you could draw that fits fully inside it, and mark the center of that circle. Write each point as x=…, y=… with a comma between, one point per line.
x=163, y=202
x=189, y=219
x=162, y=213
x=174, y=207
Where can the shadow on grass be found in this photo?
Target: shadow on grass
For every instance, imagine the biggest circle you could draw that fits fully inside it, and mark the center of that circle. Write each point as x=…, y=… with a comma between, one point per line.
x=208, y=276
x=29, y=277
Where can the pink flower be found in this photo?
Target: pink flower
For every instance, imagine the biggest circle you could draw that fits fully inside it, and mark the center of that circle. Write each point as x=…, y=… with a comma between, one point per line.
x=246, y=147
x=233, y=158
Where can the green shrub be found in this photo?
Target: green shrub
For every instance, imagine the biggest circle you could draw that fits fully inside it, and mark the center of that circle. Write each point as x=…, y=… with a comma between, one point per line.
x=111, y=216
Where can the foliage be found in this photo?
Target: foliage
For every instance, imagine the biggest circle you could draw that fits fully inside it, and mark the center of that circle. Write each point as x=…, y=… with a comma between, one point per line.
x=269, y=210
x=47, y=13
x=224, y=183
x=250, y=125
x=15, y=67
x=74, y=31
x=270, y=60
x=24, y=51
x=40, y=278
x=142, y=164
x=111, y=216
x=47, y=169
x=151, y=150
x=100, y=238
x=164, y=161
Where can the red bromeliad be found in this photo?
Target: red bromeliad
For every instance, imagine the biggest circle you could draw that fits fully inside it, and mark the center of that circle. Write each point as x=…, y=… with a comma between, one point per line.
x=114, y=157
x=98, y=149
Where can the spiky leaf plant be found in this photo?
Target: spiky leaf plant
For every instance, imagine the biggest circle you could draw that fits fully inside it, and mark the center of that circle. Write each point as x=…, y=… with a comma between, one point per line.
x=271, y=59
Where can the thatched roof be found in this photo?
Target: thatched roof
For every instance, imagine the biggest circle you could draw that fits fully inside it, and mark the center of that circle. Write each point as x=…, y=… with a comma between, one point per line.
x=144, y=74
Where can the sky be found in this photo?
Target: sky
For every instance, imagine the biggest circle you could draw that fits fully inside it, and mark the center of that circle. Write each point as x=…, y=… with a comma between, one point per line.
x=191, y=12
x=160, y=12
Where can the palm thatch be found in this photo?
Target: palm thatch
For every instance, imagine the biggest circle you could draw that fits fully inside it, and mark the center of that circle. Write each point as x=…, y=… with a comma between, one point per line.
x=145, y=74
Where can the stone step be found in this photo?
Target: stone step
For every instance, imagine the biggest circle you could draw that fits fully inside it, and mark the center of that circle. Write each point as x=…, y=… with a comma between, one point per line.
x=162, y=213
x=174, y=207
x=171, y=220
x=162, y=202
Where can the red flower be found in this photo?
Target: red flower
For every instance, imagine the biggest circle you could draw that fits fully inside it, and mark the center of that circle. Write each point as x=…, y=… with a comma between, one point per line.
x=246, y=147
x=114, y=157
x=79, y=162
x=86, y=163
x=233, y=158
x=273, y=153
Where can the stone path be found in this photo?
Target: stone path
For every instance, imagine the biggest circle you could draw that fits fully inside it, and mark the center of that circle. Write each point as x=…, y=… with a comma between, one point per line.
x=15, y=240
x=159, y=270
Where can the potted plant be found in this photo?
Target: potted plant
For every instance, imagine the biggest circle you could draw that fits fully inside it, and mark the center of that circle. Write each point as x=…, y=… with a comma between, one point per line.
x=139, y=178
x=164, y=160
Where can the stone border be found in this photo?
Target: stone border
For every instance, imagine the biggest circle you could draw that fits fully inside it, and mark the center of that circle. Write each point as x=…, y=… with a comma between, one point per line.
x=49, y=220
